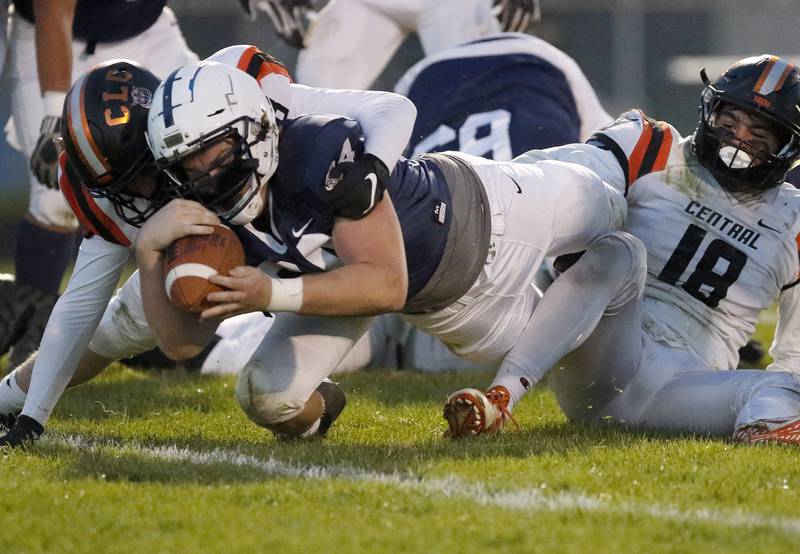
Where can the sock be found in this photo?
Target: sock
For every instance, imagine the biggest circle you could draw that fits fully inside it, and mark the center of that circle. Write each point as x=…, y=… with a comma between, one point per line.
x=41, y=256
x=12, y=397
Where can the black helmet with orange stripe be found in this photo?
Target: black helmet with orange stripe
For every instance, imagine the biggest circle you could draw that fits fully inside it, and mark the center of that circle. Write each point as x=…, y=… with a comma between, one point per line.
x=767, y=88
x=103, y=131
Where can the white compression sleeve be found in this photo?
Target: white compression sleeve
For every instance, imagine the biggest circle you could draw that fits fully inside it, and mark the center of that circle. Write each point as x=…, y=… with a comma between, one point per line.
x=386, y=118
x=72, y=323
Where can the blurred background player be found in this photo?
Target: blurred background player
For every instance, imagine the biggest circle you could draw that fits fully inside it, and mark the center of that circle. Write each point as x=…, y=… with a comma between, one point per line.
x=348, y=43
x=51, y=42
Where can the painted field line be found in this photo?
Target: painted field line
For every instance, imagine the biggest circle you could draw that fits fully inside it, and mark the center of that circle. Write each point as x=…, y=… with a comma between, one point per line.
x=527, y=500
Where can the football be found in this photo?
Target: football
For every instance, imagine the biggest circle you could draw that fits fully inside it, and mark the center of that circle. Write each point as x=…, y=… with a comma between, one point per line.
x=191, y=260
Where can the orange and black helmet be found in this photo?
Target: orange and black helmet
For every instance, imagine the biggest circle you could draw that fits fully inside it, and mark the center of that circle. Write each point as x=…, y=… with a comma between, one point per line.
x=103, y=131
x=766, y=86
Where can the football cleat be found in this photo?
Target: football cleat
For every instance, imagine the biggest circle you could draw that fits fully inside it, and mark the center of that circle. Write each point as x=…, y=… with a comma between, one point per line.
x=471, y=412
x=7, y=421
x=766, y=431
x=335, y=401
x=24, y=432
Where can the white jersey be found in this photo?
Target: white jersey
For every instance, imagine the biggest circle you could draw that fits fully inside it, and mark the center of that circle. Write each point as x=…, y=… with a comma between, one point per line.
x=715, y=260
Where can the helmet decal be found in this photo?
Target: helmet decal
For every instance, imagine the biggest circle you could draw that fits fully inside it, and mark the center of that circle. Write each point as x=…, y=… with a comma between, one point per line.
x=773, y=76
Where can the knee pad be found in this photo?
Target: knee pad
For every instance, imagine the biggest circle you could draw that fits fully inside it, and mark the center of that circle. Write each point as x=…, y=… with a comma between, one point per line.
x=123, y=331
x=48, y=207
x=619, y=247
x=263, y=406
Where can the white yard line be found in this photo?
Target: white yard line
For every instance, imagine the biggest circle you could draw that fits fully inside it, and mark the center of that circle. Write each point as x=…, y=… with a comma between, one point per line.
x=536, y=499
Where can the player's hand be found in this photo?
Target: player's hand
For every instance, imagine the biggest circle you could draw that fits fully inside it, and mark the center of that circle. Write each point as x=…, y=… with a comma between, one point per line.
x=250, y=290
x=44, y=160
x=179, y=218
x=22, y=433
x=357, y=187
x=516, y=16
x=288, y=18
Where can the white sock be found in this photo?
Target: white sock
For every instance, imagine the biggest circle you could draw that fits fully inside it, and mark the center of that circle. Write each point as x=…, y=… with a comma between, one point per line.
x=12, y=397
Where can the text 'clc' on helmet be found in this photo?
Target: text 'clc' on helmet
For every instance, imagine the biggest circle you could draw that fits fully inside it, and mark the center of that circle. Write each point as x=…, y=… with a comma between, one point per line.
x=103, y=134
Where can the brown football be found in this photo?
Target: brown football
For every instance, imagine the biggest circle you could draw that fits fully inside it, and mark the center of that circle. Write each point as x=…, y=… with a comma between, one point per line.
x=191, y=260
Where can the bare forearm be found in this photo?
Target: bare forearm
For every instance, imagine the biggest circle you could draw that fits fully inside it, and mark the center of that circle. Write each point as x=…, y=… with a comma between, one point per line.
x=355, y=289
x=178, y=333
x=54, y=43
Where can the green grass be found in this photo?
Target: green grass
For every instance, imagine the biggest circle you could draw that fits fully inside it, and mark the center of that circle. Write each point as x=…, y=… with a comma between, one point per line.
x=122, y=470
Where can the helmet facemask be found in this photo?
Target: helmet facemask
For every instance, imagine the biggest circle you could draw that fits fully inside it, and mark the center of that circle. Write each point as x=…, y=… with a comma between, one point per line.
x=230, y=185
x=214, y=133
x=740, y=166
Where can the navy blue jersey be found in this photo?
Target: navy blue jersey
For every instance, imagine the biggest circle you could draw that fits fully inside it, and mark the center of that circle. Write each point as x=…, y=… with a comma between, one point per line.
x=295, y=229
x=106, y=20
x=498, y=97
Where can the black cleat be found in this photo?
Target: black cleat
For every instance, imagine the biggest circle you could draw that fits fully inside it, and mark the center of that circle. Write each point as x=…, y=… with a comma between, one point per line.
x=7, y=421
x=335, y=401
x=24, y=432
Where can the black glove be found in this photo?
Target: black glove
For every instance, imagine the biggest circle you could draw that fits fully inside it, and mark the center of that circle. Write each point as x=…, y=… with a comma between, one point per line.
x=22, y=434
x=44, y=160
x=289, y=17
x=357, y=187
x=516, y=16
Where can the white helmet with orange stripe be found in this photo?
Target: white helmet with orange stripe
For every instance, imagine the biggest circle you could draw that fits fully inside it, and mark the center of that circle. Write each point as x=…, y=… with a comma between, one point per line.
x=200, y=106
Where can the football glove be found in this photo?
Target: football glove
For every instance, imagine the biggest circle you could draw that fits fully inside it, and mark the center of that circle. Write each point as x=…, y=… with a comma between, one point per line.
x=44, y=160
x=357, y=187
x=24, y=432
x=289, y=17
x=516, y=16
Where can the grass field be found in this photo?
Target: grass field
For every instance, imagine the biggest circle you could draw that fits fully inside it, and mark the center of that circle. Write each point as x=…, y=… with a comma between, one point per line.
x=164, y=462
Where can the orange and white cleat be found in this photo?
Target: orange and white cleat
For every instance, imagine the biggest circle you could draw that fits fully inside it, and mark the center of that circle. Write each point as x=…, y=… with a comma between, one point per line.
x=781, y=432
x=471, y=412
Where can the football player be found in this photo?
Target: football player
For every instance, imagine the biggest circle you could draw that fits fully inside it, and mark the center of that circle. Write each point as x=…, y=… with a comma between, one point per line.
x=347, y=43
x=451, y=245
x=51, y=43
x=711, y=240
x=496, y=97
x=100, y=162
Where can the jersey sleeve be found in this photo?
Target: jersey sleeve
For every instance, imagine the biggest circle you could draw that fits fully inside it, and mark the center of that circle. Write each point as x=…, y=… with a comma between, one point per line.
x=640, y=145
x=94, y=219
x=73, y=322
x=385, y=118
x=310, y=147
x=785, y=350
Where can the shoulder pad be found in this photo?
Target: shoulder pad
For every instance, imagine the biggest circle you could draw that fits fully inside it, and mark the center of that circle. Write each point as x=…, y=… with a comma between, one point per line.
x=251, y=60
x=641, y=144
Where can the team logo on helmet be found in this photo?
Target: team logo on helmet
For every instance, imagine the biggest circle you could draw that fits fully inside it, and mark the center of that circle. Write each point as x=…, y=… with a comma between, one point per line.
x=141, y=96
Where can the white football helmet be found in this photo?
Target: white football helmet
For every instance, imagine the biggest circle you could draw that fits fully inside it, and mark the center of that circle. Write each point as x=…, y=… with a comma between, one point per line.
x=201, y=105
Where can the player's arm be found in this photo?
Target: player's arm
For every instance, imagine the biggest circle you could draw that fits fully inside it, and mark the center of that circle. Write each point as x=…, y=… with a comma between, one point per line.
x=633, y=146
x=178, y=333
x=386, y=119
x=785, y=350
x=73, y=322
x=373, y=279
x=54, y=66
